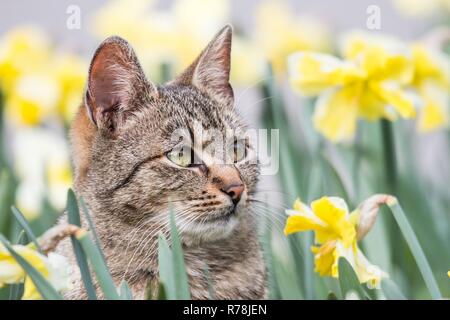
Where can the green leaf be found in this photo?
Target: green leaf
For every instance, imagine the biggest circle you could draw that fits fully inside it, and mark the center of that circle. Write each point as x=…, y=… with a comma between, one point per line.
x=332, y=296
x=42, y=285
x=165, y=268
x=348, y=279
x=391, y=290
x=91, y=226
x=179, y=267
x=416, y=250
x=15, y=291
x=26, y=227
x=74, y=218
x=162, y=292
x=125, y=291
x=99, y=266
x=7, y=186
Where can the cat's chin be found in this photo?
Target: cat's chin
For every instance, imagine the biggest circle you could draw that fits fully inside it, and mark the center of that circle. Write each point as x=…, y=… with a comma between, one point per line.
x=210, y=231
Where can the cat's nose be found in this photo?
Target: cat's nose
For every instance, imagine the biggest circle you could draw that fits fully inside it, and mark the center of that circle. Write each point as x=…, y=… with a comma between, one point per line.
x=234, y=191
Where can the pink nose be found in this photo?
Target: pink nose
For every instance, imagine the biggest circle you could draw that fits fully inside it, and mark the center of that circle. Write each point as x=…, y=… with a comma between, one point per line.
x=234, y=191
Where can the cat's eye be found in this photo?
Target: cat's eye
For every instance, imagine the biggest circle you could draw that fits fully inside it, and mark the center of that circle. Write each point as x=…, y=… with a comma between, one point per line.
x=181, y=156
x=239, y=150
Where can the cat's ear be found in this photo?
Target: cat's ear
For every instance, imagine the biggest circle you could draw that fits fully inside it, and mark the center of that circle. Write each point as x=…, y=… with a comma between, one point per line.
x=210, y=72
x=116, y=84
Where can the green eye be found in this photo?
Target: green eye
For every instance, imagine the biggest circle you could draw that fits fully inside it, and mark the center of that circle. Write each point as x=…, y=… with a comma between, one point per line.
x=240, y=150
x=181, y=156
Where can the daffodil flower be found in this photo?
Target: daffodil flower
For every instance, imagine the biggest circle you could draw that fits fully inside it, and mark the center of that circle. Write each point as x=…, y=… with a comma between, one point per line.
x=432, y=82
x=336, y=236
x=368, y=83
x=279, y=33
x=48, y=176
x=422, y=8
x=53, y=267
x=38, y=82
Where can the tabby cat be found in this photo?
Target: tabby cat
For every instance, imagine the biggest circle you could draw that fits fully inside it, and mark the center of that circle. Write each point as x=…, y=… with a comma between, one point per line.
x=131, y=172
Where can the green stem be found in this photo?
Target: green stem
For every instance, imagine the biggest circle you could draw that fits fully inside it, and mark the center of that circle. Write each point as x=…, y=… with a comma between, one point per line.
x=357, y=162
x=104, y=278
x=389, y=156
x=416, y=250
x=166, y=72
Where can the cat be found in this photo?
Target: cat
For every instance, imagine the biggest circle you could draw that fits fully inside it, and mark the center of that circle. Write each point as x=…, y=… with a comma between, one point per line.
x=130, y=174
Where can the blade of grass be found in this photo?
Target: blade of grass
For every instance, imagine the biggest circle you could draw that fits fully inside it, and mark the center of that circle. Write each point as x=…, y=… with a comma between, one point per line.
x=26, y=227
x=91, y=226
x=104, y=278
x=15, y=291
x=74, y=218
x=42, y=285
x=179, y=267
x=162, y=292
x=125, y=291
x=416, y=249
x=165, y=268
x=7, y=189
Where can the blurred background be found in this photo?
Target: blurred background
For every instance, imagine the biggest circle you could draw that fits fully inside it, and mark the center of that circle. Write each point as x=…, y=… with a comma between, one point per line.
x=46, y=46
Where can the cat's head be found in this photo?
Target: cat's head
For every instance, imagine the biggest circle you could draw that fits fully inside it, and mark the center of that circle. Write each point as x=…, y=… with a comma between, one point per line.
x=140, y=150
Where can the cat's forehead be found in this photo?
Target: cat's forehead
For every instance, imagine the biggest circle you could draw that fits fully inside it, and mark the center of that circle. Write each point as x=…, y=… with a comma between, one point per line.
x=186, y=107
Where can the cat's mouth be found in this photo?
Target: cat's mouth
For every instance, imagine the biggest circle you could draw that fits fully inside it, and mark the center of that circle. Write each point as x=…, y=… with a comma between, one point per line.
x=216, y=226
x=224, y=215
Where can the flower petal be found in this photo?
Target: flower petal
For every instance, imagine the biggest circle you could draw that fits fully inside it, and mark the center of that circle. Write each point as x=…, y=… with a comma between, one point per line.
x=367, y=272
x=336, y=113
x=373, y=107
x=435, y=112
x=302, y=218
x=334, y=212
x=311, y=73
x=324, y=258
x=393, y=94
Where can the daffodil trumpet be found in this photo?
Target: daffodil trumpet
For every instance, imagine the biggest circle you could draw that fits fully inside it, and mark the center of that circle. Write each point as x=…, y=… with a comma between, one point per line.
x=337, y=232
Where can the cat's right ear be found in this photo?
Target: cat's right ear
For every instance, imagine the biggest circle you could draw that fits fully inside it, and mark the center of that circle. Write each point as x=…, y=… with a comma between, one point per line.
x=116, y=84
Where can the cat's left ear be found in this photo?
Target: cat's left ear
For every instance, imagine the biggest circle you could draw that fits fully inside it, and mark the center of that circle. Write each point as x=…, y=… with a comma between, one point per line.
x=210, y=72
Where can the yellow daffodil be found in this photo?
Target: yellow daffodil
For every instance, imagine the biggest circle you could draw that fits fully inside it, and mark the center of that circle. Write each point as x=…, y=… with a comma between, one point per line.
x=38, y=83
x=335, y=235
x=176, y=35
x=368, y=83
x=48, y=175
x=279, y=33
x=30, y=91
x=32, y=99
x=432, y=82
x=22, y=50
x=70, y=72
x=422, y=8
x=53, y=267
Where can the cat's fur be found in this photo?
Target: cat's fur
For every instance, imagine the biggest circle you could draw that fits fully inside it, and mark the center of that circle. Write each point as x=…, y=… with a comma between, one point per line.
x=119, y=140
